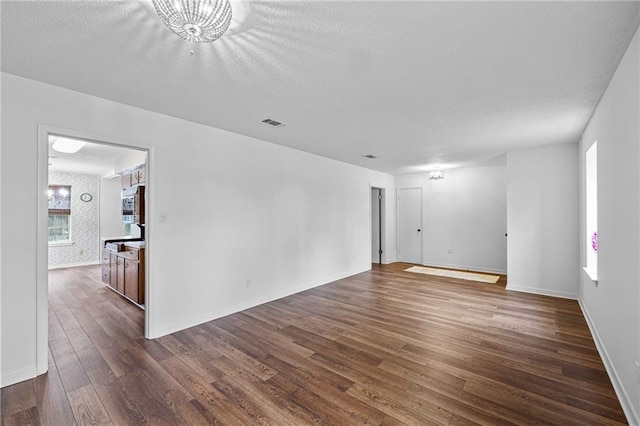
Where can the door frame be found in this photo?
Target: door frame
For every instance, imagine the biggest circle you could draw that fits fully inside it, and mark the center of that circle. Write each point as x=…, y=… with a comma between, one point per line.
x=382, y=230
x=42, y=240
x=398, y=219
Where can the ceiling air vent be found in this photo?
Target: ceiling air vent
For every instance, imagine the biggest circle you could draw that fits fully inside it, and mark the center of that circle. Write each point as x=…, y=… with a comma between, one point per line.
x=271, y=122
x=371, y=156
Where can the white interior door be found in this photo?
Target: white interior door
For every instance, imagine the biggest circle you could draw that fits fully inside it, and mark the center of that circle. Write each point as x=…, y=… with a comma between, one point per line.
x=410, y=225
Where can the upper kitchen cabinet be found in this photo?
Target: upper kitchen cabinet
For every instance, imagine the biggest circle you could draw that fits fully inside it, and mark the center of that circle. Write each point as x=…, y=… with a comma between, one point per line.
x=125, y=181
x=134, y=177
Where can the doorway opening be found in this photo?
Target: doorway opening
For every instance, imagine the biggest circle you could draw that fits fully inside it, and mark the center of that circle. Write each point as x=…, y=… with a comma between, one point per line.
x=92, y=251
x=377, y=225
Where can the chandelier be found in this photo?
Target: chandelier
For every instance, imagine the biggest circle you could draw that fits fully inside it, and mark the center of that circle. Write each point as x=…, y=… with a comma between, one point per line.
x=199, y=21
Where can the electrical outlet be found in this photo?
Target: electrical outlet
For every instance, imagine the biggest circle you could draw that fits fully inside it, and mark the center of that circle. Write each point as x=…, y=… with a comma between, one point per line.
x=449, y=250
x=249, y=283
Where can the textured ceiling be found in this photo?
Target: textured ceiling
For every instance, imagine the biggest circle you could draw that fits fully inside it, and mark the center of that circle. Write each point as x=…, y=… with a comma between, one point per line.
x=93, y=158
x=418, y=84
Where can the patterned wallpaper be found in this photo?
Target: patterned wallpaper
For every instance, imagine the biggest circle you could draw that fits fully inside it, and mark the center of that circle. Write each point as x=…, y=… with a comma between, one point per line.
x=85, y=220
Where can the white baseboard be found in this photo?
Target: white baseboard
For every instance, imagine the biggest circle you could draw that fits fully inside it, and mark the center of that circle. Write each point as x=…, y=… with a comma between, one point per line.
x=625, y=401
x=73, y=265
x=19, y=376
x=219, y=313
x=542, y=291
x=465, y=268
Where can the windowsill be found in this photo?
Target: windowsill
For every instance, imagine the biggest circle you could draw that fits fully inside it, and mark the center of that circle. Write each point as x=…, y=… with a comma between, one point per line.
x=592, y=274
x=61, y=243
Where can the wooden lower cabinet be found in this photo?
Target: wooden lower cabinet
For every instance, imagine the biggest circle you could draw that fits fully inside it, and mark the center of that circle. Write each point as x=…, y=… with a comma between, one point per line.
x=124, y=272
x=134, y=280
x=106, y=275
x=106, y=267
x=120, y=274
x=114, y=271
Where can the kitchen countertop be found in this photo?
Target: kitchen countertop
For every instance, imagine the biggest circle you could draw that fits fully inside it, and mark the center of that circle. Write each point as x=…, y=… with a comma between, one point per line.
x=127, y=241
x=120, y=239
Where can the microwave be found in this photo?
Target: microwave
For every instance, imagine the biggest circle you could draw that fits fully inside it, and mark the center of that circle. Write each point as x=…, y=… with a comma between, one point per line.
x=133, y=205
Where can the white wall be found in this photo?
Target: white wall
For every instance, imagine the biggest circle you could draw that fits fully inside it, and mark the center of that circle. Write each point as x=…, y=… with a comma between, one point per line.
x=236, y=208
x=466, y=212
x=110, y=208
x=85, y=219
x=612, y=307
x=542, y=220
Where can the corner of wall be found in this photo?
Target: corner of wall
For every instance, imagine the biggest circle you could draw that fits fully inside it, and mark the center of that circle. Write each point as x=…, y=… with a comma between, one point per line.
x=542, y=291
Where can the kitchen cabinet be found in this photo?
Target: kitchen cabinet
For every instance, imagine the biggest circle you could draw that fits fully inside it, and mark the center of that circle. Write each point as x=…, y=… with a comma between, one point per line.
x=136, y=177
x=131, y=279
x=106, y=267
x=125, y=181
x=114, y=271
x=123, y=271
x=120, y=274
x=106, y=275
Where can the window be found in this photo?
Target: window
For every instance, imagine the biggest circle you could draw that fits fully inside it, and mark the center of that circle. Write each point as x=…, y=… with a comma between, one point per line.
x=591, y=171
x=59, y=203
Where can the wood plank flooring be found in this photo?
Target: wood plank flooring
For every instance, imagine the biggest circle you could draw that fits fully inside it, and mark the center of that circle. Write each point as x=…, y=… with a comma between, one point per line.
x=384, y=347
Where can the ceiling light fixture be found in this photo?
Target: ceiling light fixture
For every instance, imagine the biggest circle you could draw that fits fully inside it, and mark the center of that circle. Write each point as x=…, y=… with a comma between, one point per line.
x=198, y=21
x=436, y=175
x=68, y=146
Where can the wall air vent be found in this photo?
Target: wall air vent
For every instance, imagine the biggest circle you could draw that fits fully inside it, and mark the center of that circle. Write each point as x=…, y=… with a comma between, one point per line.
x=272, y=123
x=371, y=156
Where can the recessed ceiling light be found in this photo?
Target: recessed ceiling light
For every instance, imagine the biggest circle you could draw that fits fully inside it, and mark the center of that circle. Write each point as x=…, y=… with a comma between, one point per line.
x=68, y=146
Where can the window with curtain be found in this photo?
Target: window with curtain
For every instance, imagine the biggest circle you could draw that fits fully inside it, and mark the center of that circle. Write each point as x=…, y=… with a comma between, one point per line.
x=59, y=202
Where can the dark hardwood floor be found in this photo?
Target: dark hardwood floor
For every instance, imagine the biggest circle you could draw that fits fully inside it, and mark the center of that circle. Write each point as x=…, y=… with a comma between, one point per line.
x=383, y=347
